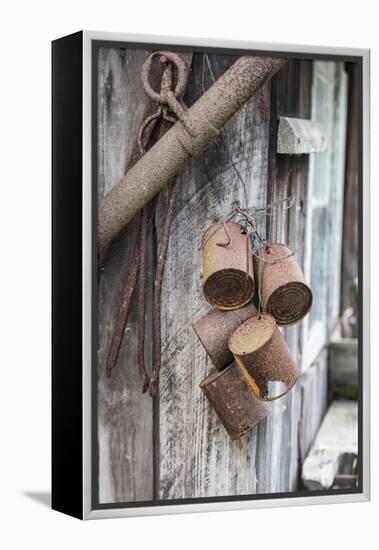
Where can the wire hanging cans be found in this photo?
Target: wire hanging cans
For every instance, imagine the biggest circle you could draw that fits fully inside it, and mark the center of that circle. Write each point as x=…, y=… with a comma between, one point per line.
x=235, y=404
x=285, y=293
x=261, y=351
x=228, y=271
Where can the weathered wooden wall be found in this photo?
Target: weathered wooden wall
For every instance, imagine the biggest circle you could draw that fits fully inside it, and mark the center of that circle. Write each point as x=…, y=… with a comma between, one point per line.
x=176, y=446
x=125, y=418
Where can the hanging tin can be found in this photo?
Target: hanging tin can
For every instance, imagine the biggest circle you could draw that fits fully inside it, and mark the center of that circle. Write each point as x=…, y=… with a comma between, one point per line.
x=285, y=293
x=214, y=329
x=228, y=270
x=262, y=352
x=233, y=401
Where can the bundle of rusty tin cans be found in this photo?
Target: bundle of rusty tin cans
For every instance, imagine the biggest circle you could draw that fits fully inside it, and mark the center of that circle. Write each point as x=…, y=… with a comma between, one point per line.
x=253, y=364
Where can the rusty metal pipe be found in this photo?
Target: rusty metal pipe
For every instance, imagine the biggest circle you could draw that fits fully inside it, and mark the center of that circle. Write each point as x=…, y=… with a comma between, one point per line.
x=164, y=160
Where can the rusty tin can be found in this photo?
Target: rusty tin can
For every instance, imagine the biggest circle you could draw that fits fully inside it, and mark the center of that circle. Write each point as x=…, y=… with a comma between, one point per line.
x=228, y=269
x=233, y=401
x=285, y=293
x=262, y=352
x=214, y=329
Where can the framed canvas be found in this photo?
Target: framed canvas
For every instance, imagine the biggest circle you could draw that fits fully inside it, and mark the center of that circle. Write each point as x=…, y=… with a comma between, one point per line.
x=210, y=275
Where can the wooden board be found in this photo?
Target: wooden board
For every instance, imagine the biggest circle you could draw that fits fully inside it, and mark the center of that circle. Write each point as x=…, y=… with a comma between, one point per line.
x=337, y=437
x=336, y=194
x=278, y=439
x=125, y=417
x=299, y=136
x=313, y=386
x=350, y=229
x=196, y=456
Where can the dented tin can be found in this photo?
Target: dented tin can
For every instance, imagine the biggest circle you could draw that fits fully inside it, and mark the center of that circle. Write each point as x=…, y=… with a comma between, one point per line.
x=228, y=270
x=235, y=404
x=285, y=293
x=263, y=355
x=215, y=328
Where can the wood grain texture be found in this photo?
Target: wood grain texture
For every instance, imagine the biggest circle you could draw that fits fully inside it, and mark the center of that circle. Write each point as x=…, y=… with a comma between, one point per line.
x=125, y=416
x=335, y=214
x=337, y=438
x=325, y=209
x=196, y=456
x=298, y=136
x=278, y=443
x=350, y=229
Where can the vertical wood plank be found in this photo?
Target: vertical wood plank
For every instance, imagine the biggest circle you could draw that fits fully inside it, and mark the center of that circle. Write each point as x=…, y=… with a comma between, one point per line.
x=313, y=386
x=350, y=229
x=335, y=214
x=196, y=456
x=325, y=209
x=277, y=460
x=125, y=417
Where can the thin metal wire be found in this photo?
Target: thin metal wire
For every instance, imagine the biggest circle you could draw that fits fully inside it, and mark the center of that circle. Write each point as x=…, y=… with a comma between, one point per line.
x=223, y=133
x=267, y=210
x=272, y=262
x=291, y=198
